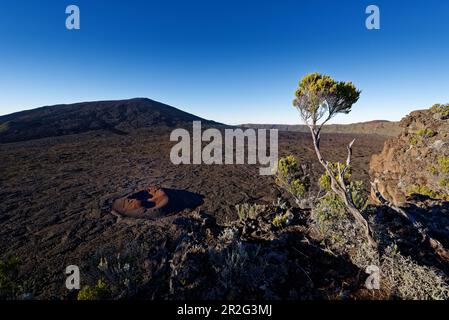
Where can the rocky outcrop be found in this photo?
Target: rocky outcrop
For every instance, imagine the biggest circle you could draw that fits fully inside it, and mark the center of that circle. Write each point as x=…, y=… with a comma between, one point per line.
x=417, y=161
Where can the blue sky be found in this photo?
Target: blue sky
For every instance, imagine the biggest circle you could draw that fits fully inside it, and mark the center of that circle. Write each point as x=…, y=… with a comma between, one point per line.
x=227, y=60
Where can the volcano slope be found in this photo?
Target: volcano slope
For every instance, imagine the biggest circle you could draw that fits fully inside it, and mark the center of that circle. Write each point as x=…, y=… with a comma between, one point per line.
x=62, y=168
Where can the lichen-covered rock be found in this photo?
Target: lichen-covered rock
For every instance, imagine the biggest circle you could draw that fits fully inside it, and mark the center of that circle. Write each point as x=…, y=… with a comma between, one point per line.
x=417, y=161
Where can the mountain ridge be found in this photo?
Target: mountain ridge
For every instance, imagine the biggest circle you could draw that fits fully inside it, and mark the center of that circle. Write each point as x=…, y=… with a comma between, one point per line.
x=380, y=127
x=117, y=116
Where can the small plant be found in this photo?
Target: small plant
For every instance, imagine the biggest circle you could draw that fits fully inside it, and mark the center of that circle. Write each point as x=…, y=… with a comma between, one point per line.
x=228, y=235
x=426, y=191
x=325, y=180
x=414, y=140
x=328, y=208
x=426, y=133
x=282, y=220
x=441, y=109
x=407, y=280
x=432, y=170
x=443, y=163
x=358, y=194
x=249, y=211
x=292, y=177
x=97, y=292
x=355, y=188
x=281, y=204
x=444, y=183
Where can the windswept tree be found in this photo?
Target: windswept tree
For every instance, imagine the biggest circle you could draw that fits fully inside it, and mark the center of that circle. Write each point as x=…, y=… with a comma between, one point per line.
x=319, y=98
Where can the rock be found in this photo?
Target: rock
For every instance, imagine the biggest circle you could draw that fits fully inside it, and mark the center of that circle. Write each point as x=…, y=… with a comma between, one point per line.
x=414, y=161
x=143, y=204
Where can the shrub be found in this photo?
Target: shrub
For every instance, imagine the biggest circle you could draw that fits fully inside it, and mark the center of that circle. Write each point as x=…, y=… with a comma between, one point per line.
x=407, y=280
x=358, y=194
x=331, y=207
x=441, y=109
x=328, y=208
x=444, y=182
x=443, y=163
x=325, y=180
x=282, y=220
x=248, y=211
x=295, y=179
x=432, y=170
x=97, y=292
x=414, y=140
x=426, y=191
x=426, y=133
x=292, y=176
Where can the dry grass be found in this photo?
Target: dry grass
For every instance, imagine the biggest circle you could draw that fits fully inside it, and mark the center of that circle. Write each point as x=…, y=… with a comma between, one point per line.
x=407, y=280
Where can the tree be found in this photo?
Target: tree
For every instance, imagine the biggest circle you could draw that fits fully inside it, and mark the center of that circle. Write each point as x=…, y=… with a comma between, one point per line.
x=318, y=99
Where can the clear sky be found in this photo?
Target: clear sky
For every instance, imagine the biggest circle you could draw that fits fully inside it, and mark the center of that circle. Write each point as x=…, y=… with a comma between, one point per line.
x=227, y=60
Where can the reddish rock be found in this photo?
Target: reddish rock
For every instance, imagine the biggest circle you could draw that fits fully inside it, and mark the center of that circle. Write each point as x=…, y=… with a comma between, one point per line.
x=409, y=162
x=143, y=204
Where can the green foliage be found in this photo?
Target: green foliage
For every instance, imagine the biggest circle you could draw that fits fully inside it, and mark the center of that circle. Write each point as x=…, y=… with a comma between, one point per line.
x=421, y=134
x=319, y=94
x=432, y=170
x=97, y=292
x=331, y=207
x=426, y=133
x=443, y=163
x=441, y=109
x=327, y=209
x=444, y=182
x=426, y=191
x=298, y=187
x=414, y=140
x=8, y=276
x=292, y=177
x=282, y=220
x=335, y=167
x=358, y=194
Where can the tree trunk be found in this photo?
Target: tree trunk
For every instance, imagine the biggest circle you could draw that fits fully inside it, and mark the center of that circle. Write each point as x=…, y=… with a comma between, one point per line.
x=340, y=190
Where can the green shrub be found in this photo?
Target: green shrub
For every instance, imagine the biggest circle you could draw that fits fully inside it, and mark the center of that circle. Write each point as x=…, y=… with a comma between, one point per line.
x=414, y=140
x=292, y=177
x=282, y=220
x=328, y=209
x=443, y=163
x=444, y=183
x=358, y=194
x=426, y=191
x=432, y=170
x=426, y=133
x=441, y=109
x=97, y=292
x=335, y=167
